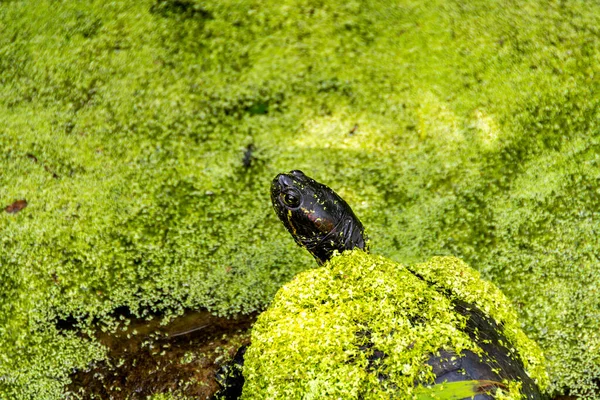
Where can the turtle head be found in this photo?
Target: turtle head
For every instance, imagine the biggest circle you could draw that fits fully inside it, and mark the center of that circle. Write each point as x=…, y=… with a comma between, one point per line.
x=317, y=218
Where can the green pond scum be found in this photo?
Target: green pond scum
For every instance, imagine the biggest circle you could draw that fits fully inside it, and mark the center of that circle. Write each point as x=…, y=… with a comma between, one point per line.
x=460, y=128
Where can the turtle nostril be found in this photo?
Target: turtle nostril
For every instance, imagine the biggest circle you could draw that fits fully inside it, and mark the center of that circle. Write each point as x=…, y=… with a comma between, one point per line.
x=297, y=173
x=284, y=180
x=277, y=185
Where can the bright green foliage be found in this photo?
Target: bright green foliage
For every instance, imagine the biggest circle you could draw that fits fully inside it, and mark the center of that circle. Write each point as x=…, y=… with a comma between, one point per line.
x=318, y=337
x=477, y=137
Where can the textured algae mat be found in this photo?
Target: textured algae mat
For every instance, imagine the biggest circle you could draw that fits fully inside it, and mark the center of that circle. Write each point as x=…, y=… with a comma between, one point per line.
x=138, y=140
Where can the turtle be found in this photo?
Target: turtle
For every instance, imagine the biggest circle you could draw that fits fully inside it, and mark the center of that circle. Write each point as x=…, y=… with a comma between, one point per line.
x=363, y=326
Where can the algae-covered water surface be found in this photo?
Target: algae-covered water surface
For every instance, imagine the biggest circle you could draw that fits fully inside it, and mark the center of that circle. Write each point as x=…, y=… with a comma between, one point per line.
x=138, y=140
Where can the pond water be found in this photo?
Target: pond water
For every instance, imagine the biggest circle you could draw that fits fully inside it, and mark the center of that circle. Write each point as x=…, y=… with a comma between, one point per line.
x=182, y=357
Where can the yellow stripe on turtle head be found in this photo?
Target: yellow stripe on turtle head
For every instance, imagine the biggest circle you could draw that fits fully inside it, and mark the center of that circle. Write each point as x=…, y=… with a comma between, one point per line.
x=290, y=222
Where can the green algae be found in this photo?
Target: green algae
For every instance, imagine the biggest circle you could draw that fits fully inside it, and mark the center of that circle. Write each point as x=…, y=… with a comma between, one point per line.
x=318, y=337
x=477, y=137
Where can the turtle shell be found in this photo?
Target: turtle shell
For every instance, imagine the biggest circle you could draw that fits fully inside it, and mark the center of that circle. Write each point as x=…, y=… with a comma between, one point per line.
x=365, y=327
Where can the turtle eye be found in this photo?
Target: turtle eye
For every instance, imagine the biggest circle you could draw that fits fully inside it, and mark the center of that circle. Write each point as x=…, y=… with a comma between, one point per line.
x=291, y=198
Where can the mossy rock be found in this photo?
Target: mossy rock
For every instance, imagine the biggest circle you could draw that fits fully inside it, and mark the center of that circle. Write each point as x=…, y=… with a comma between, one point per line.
x=363, y=326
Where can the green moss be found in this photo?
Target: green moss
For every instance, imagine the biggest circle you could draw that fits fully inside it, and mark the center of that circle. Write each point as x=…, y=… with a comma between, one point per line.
x=477, y=137
x=321, y=331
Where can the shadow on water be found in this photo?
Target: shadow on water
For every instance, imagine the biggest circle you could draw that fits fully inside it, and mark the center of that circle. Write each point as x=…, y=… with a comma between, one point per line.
x=146, y=358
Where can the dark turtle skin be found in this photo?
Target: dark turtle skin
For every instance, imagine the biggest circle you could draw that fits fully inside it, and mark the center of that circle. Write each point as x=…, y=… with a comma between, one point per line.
x=316, y=217
x=322, y=222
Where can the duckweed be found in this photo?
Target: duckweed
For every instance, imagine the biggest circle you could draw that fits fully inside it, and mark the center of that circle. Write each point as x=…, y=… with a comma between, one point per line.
x=459, y=128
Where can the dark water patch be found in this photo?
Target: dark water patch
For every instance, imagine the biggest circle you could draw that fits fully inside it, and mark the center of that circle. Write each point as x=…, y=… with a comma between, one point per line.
x=181, y=357
x=258, y=108
x=180, y=8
